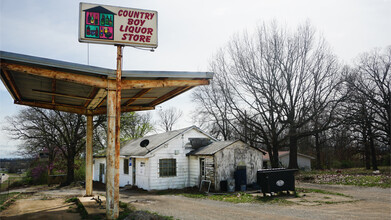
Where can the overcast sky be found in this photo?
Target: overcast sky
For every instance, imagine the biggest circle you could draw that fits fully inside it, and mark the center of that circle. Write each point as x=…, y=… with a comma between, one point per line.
x=189, y=33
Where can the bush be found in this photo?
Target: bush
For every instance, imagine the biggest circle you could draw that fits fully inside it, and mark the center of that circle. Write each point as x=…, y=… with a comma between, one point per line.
x=80, y=170
x=343, y=164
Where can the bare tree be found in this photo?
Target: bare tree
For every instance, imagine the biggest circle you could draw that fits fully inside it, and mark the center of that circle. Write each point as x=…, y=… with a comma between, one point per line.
x=52, y=130
x=281, y=85
x=374, y=83
x=369, y=83
x=168, y=117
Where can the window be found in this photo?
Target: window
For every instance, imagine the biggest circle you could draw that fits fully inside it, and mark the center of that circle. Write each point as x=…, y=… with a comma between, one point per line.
x=167, y=167
x=126, y=166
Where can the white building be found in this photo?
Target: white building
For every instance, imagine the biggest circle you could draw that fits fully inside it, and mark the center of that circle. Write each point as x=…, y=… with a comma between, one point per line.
x=303, y=161
x=181, y=158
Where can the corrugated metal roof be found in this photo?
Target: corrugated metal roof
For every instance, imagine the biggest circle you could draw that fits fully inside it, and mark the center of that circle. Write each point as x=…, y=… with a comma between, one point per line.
x=82, y=89
x=212, y=148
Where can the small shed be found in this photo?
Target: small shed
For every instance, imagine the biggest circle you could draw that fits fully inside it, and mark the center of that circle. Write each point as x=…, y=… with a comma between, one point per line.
x=218, y=162
x=303, y=161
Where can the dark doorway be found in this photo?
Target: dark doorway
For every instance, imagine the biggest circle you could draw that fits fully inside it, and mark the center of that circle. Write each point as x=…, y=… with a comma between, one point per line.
x=101, y=171
x=202, y=169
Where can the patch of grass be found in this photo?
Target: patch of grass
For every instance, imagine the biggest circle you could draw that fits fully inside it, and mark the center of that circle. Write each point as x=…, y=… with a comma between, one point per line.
x=157, y=215
x=351, y=176
x=5, y=197
x=125, y=210
x=308, y=190
x=79, y=207
x=240, y=198
x=81, y=210
x=73, y=199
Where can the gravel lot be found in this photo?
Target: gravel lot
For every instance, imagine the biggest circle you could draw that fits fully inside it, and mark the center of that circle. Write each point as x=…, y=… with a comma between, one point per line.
x=370, y=203
x=366, y=203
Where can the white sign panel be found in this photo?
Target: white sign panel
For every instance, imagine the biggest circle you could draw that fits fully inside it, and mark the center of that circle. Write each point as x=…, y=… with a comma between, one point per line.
x=116, y=25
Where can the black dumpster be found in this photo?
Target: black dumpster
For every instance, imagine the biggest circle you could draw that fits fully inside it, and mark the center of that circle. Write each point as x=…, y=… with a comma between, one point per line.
x=276, y=180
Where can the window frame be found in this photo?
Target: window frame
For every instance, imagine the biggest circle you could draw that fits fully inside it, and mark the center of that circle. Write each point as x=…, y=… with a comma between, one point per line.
x=167, y=167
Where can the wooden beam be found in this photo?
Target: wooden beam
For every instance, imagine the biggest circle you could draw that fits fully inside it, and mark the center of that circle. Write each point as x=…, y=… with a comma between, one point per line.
x=103, y=83
x=138, y=95
x=91, y=97
x=64, y=108
x=53, y=90
x=161, y=83
x=60, y=75
x=12, y=84
x=60, y=94
x=103, y=110
x=80, y=110
x=170, y=95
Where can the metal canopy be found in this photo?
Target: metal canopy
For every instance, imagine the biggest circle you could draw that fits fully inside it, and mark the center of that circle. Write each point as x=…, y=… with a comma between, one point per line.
x=82, y=89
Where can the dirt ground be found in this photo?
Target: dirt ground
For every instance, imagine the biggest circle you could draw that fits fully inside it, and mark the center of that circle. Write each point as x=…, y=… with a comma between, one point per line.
x=39, y=207
x=364, y=203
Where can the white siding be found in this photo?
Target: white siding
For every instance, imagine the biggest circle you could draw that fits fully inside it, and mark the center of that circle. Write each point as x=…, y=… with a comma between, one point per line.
x=123, y=178
x=237, y=154
x=304, y=163
x=174, y=149
x=194, y=171
x=284, y=160
x=142, y=173
x=95, y=170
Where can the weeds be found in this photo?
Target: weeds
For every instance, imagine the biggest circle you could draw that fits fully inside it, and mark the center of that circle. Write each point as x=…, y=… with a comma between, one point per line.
x=353, y=176
x=308, y=190
x=240, y=198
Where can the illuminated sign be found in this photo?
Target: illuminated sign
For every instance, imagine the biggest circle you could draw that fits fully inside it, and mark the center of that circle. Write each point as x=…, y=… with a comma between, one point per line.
x=118, y=26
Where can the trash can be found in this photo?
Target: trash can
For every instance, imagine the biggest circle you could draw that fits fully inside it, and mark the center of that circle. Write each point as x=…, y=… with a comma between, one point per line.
x=276, y=180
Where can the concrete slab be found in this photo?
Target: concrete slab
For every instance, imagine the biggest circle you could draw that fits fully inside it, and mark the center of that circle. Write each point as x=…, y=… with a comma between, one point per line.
x=92, y=206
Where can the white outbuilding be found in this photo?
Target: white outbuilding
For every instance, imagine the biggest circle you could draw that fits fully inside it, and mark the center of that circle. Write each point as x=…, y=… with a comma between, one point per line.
x=303, y=161
x=181, y=158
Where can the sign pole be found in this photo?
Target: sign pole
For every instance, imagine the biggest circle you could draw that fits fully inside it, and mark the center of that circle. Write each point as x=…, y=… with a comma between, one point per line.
x=117, y=130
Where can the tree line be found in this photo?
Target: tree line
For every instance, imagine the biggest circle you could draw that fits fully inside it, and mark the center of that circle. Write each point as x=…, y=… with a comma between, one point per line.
x=61, y=136
x=275, y=89
x=282, y=89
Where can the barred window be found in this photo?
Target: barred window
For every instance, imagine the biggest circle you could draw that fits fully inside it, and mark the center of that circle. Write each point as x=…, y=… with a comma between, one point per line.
x=167, y=167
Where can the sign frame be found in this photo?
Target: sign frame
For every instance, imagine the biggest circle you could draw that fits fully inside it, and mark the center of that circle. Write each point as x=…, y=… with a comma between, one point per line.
x=138, y=28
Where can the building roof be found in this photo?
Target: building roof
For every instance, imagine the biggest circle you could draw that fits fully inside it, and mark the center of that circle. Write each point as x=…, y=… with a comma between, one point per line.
x=133, y=148
x=99, y=9
x=211, y=149
x=284, y=153
x=214, y=147
x=82, y=89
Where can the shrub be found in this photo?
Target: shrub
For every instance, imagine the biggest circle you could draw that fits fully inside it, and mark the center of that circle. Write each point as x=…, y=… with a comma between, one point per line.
x=80, y=170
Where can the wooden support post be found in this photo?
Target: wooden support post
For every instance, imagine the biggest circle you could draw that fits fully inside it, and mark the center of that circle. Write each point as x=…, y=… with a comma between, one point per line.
x=117, y=130
x=113, y=145
x=110, y=151
x=89, y=156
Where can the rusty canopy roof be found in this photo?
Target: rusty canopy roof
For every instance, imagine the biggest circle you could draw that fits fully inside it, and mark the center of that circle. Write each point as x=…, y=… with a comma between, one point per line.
x=82, y=89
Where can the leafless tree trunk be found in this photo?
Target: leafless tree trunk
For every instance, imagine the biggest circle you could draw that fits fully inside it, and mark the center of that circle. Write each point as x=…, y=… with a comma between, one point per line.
x=168, y=117
x=56, y=130
x=278, y=83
